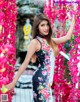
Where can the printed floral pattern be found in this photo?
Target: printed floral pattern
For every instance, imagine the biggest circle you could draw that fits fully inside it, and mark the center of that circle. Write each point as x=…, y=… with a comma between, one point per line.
x=41, y=85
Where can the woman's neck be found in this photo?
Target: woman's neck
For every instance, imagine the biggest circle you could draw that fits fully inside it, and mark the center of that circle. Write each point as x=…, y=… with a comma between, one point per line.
x=42, y=36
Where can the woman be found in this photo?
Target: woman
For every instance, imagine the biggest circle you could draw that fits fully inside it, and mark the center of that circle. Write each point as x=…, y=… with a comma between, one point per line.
x=44, y=47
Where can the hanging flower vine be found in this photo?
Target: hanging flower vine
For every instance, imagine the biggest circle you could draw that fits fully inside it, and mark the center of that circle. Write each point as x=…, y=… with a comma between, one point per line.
x=8, y=14
x=60, y=9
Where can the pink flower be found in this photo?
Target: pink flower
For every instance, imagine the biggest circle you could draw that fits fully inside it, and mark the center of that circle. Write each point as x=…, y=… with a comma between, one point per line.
x=45, y=93
x=44, y=72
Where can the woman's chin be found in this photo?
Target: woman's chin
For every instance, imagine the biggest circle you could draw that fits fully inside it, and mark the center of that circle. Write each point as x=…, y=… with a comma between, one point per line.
x=45, y=34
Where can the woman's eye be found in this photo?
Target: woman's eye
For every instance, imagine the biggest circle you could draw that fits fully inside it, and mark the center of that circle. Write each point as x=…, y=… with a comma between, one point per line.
x=42, y=25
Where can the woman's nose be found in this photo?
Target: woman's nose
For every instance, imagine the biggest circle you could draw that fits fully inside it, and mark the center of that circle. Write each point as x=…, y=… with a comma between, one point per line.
x=46, y=27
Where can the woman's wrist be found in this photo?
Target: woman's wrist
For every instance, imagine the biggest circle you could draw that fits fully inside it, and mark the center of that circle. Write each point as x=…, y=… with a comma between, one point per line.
x=14, y=81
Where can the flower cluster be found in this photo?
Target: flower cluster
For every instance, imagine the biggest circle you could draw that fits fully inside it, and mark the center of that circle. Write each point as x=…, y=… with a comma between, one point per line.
x=74, y=65
x=53, y=11
x=61, y=11
x=8, y=13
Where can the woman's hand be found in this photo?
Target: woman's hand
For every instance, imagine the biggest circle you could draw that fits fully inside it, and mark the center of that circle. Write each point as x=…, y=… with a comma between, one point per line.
x=73, y=20
x=8, y=87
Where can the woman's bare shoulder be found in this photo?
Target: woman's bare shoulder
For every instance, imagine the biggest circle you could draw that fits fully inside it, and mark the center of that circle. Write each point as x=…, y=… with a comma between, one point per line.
x=34, y=41
x=33, y=45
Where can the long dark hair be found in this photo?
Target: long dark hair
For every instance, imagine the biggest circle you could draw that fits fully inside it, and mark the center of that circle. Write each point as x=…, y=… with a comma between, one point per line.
x=37, y=20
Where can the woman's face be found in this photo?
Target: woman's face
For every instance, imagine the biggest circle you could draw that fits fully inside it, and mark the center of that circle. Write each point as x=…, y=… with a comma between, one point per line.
x=43, y=28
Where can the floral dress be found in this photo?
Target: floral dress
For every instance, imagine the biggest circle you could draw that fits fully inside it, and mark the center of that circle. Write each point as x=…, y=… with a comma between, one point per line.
x=43, y=77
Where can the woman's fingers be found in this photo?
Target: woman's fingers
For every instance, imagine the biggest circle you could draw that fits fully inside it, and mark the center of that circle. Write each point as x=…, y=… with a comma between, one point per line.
x=4, y=89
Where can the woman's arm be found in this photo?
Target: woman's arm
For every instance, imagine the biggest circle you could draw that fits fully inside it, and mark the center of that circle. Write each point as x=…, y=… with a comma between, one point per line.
x=67, y=36
x=31, y=50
